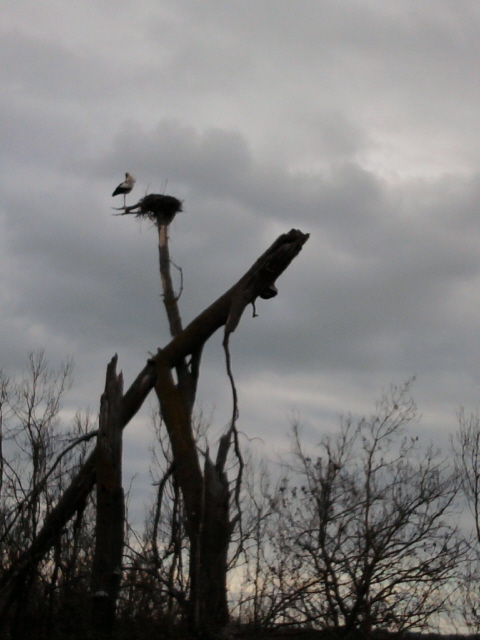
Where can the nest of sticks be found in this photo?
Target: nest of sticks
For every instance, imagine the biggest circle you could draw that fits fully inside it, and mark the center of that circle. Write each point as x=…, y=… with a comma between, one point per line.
x=158, y=208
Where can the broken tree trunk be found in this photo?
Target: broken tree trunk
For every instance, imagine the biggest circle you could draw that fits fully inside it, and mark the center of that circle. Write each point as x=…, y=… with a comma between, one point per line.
x=226, y=311
x=215, y=536
x=206, y=496
x=110, y=524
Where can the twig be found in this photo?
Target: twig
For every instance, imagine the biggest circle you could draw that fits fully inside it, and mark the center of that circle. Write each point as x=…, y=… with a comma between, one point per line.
x=225, y=442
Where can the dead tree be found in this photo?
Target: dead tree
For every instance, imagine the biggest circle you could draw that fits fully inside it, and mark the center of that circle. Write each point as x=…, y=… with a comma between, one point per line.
x=206, y=494
x=110, y=524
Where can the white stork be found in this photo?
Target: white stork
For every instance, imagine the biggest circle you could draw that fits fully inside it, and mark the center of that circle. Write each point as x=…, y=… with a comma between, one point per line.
x=125, y=187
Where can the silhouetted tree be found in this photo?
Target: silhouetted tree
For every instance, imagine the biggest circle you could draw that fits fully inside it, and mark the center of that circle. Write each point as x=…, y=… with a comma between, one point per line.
x=466, y=450
x=39, y=456
x=364, y=535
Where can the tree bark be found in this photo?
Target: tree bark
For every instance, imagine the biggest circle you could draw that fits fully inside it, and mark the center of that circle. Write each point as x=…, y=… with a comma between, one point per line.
x=207, y=500
x=206, y=508
x=215, y=540
x=109, y=531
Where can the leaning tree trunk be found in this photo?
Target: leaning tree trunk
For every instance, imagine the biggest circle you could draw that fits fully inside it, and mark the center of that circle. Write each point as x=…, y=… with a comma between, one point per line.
x=205, y=494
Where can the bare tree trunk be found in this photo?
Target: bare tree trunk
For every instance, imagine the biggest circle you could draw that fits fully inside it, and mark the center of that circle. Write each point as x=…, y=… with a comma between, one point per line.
x=187, y=466
x=215, y=540
x=226, y=311
x=107, y=562
x=206, y=497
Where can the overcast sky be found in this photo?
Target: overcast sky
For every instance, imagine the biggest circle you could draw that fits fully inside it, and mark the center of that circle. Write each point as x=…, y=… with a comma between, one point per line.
x=354, y=121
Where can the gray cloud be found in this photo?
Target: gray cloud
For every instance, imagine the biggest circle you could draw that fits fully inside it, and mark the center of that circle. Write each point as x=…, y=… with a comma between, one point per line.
x=355, y=122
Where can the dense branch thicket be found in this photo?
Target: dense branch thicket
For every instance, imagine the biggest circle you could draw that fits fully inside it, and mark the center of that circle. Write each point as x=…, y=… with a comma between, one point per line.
x=38, y=458
x=466, y=450
x=357, y=535
x=361, y=534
